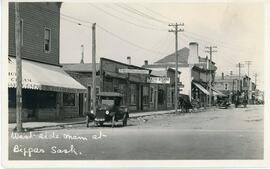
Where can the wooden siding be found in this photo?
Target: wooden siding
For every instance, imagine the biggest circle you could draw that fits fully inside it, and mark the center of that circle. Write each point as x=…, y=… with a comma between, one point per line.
x=36, y=17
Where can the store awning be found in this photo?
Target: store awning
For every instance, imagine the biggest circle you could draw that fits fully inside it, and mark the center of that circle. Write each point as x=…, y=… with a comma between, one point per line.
x=201, y=88
x=217, y=93
x=40, y=76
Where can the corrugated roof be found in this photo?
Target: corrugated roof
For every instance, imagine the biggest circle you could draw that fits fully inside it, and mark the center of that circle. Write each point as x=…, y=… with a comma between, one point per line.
x=80, y=67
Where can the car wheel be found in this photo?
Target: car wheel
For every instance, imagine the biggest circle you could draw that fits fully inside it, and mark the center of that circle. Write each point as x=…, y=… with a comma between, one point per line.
x=113, y=120
x=125, y=120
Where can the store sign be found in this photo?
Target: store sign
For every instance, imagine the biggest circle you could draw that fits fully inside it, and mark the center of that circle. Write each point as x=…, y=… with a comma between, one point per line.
x=27, y=83
x=136, y=71
x=159, y=80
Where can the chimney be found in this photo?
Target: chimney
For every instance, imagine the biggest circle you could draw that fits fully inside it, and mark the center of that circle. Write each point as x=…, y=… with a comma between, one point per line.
x=82, y=59
x=193, y=57
x=145, y=62
x=231, y=73
x=129, y=60
x=222, y=76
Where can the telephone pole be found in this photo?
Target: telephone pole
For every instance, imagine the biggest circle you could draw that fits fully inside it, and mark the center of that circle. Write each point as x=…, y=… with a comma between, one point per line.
x=256, y=75
x=94, y=67
x=19, y=127
x=176, y=30
x=248, y=85
x=239, y=65
x=210, y=51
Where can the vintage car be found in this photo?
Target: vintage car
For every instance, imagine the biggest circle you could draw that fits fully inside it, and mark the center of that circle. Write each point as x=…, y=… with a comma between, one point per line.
x=109, y=109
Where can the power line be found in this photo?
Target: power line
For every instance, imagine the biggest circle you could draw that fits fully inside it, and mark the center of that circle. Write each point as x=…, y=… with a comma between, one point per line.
x=124, y=20
x=142, y=14
x=129, y=42
x=126, y=13
x=155, y=12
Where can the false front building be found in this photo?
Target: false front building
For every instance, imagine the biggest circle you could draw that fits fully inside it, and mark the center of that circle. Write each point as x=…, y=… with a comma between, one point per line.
x=48, y=93
x=139, y=86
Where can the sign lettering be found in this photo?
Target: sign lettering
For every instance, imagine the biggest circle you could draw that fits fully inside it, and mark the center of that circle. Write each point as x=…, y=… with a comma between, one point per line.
x=159, y=80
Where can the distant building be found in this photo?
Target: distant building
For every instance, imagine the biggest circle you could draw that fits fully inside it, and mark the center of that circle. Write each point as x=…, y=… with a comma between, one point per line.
x=231, y=84
x=48, y=92
x=195, y=73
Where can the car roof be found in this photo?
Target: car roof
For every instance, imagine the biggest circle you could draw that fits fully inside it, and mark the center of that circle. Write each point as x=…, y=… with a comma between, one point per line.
x=110, y=94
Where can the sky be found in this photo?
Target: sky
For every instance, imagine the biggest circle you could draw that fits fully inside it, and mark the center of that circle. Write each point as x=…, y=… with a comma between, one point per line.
x=140, y=30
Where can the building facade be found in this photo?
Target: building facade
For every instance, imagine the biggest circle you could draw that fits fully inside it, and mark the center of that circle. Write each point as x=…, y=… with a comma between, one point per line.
x=139, y=92
x=195, y=73
x=232, y=84
x=48, y=93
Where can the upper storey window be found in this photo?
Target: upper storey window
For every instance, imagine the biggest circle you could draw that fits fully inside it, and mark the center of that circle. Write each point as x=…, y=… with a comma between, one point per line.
x=47, y=40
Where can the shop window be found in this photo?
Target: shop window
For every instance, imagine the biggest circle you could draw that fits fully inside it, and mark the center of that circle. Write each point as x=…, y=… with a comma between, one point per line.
x=160, y=96
x=151, y=94
x=145, y=95
x=133, y=94
x=69, y=99
x=46, y=99
x=47, y=40
x=12, y=97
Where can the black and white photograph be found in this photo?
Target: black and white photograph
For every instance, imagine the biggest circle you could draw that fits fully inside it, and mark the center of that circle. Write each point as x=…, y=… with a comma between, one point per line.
x=134, y=83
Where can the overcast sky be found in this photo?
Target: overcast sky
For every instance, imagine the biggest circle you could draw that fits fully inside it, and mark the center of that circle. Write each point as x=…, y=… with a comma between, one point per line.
x=140, y=30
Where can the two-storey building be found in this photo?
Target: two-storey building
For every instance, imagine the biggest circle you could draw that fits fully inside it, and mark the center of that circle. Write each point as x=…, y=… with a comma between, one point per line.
x=48, y=93
x=195, y=73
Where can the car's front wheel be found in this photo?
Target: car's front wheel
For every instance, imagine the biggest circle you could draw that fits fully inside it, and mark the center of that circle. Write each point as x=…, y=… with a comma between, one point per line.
x=125, y=120
x=113, y=120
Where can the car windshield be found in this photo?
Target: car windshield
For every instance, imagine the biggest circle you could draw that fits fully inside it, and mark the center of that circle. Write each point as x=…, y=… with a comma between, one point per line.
x=108, y=102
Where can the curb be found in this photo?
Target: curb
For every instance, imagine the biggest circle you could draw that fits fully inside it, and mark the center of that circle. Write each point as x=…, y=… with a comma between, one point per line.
x=62, y=125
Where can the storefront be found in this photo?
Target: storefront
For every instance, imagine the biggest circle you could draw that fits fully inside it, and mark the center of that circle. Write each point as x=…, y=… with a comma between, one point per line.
x=48, y=93
x=130, y=82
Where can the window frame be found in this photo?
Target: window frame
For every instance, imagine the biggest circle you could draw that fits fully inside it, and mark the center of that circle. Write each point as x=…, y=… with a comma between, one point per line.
x=50, y=40
x=74, y=101
x=21, y=29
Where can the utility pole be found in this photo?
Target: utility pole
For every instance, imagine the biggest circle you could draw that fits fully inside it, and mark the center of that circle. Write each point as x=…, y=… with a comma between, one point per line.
x=256, y=75
x=248, y=85
x=18, y=44
x=239, y=65
x=210, y=51
x=94, y=67
x=176, y=30
x=82, y=59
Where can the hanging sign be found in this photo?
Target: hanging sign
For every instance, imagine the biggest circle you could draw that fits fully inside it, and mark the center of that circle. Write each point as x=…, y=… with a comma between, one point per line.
x=159, y=80
x=135, y=71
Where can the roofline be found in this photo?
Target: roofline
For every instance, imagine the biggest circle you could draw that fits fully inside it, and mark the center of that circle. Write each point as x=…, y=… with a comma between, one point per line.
x=122, y=63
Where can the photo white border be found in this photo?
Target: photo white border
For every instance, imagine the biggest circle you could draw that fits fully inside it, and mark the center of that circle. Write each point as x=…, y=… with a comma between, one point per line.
x=129, y=163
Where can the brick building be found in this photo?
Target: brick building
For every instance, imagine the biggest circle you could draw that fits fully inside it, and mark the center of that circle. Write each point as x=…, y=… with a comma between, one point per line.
x=48, y=92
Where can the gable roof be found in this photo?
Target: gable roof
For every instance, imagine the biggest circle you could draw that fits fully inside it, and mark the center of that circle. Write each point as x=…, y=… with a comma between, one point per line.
x=80, y=67
x=182, y=56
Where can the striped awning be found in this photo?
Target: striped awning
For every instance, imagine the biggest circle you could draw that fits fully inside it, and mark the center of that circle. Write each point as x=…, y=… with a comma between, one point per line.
x=201, y=88
x=40, y=76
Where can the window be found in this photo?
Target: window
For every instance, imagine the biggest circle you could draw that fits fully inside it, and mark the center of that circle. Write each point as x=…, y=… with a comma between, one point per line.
x=69, y=99
x=160, y=96
x=47, y=40
x=151, y=94
x=133, y=91
x=145, y=95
